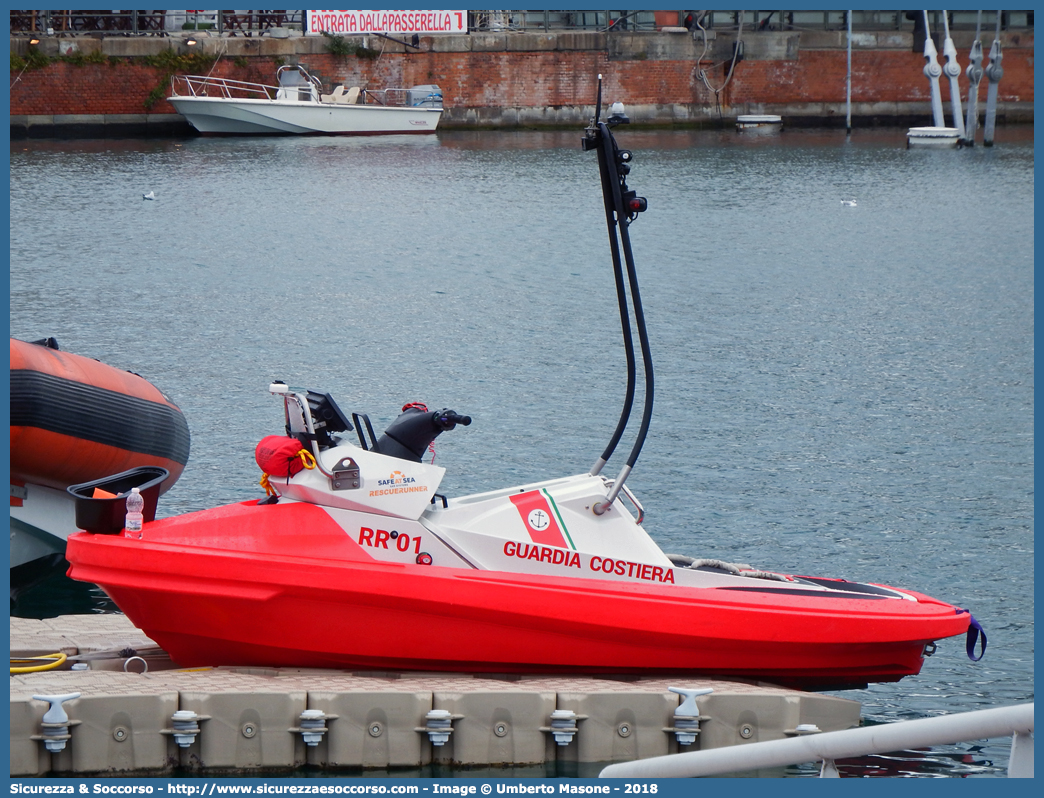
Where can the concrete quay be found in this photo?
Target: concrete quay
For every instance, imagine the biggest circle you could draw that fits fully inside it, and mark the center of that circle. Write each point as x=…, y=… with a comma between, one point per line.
x=251, y=719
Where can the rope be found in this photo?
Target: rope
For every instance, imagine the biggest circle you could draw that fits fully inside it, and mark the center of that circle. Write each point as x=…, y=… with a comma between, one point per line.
x=58, y=659
x=19, y=76
x=269, y=490
x=734, y=568
x=765, y=575
x=721, y=565
x=224, y=49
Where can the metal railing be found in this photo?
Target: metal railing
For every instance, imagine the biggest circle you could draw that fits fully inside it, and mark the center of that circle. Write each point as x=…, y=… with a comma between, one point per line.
x=828, y=747
x=206, y=86
x=399, y=98
x=586, y=20
x=201, y=86
x=257, y=23
x=861, y=20
x=152, y=23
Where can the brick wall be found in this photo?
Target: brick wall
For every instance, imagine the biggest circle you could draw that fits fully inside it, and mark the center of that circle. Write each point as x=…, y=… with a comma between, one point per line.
x=538, y=79
x=818, y=76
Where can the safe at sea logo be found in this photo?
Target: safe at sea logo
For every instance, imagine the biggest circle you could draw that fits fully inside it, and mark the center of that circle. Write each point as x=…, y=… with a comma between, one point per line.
x=398, y=482
x=396, y=479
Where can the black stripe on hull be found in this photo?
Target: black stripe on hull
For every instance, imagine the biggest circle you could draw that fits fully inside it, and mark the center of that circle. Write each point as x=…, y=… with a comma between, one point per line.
x=95, y=414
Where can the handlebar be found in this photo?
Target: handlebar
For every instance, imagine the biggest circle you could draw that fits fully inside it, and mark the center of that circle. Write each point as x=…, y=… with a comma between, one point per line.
x=447, y=419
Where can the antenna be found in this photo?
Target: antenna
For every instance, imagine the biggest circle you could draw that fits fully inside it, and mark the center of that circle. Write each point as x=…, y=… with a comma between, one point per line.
x=598, y=100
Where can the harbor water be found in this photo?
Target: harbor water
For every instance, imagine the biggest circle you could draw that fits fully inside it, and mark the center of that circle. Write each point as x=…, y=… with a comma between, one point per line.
x=841, y=390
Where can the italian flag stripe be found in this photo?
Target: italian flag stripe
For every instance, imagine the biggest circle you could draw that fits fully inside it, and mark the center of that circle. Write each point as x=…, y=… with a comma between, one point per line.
x=558, y=515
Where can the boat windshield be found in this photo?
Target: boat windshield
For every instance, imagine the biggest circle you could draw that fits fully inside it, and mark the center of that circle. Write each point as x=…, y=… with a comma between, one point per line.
x=291, y=77
x=296, y=84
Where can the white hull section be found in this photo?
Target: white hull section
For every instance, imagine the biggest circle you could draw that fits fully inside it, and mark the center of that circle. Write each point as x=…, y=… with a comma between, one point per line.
x=40, y=527
x=291, y=117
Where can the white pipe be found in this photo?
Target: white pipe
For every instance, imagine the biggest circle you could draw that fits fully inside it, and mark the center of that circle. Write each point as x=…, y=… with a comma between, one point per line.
x=952, y=70
x=974, y=73
x=848, y=81
x=994, y=72
x=933, y=71
x=830, y=746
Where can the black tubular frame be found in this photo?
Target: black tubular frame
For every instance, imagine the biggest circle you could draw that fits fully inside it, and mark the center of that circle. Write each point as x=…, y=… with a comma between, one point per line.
x=618, y=218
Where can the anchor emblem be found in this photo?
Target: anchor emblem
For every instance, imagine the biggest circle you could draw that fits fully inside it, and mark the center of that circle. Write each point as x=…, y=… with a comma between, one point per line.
x=539, y=520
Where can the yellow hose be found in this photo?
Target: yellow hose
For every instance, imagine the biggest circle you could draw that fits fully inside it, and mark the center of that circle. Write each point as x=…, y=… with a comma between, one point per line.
x=58, y=658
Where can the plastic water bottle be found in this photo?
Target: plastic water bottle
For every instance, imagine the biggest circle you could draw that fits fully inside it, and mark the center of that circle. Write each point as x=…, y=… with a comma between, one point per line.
x=135, y=505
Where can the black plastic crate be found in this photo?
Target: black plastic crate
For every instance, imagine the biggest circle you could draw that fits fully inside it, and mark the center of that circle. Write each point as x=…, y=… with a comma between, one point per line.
x=106, y=516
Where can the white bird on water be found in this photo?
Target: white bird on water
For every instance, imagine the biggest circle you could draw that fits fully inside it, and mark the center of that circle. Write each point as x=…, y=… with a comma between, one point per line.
x=151, y=195
x=850, y=203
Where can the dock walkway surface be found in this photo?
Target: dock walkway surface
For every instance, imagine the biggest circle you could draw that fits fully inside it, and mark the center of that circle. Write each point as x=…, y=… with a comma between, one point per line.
x=251, y=719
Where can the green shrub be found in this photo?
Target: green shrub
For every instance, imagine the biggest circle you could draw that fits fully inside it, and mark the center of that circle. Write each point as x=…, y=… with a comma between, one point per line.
x=154, y=96
x=172, y=63
x=80, y=59
x=34, y=59
x=338, y=45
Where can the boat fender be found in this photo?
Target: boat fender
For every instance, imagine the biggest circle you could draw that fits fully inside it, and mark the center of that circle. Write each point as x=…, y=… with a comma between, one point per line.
x=974, y=630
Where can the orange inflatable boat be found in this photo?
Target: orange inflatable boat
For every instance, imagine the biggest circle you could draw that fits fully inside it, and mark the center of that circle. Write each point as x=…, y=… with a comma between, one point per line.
x=74, y=419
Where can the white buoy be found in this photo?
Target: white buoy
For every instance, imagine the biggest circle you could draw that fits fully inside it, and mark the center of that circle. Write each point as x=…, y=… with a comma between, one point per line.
x=932, y=136
x=768, y=122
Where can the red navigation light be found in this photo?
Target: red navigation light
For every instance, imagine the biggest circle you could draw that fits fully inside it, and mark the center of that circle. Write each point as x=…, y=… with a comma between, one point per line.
x=424, y=558
x=637, y=204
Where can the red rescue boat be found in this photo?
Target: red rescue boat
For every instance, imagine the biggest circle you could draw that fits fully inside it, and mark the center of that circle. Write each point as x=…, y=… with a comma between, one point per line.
x=290, y=584
x=354, y=560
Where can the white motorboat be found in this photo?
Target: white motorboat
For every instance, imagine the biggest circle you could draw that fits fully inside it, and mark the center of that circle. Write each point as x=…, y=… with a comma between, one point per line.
x=297, y=106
